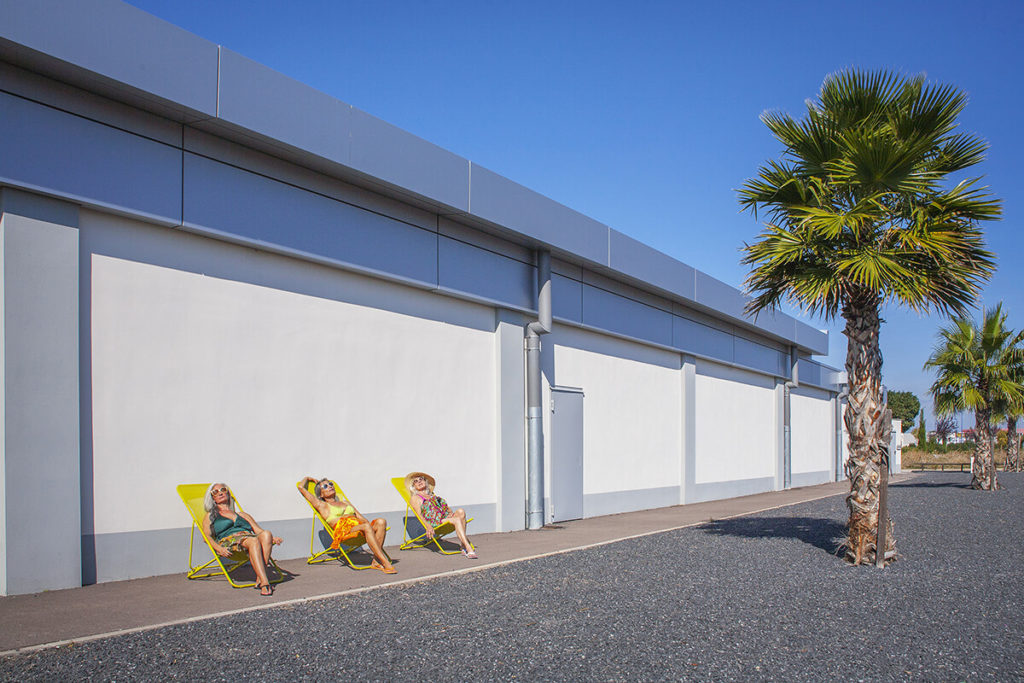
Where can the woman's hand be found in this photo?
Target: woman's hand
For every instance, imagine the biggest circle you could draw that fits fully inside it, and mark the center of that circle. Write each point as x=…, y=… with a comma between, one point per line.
x=221, y=550
x=430, y=531
x=277, y=540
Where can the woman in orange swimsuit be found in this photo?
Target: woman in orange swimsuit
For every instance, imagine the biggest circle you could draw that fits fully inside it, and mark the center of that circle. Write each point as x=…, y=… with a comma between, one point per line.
x=346, y=522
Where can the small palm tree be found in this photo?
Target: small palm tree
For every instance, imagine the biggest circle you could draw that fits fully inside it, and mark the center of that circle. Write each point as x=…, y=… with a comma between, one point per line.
x=978, y=369
x=1012, y=411
x=944, y=426
x=861, y=216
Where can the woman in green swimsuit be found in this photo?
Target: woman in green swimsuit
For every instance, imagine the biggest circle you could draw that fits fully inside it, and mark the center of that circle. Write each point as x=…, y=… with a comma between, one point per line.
x=346, y=522
x=232, y=530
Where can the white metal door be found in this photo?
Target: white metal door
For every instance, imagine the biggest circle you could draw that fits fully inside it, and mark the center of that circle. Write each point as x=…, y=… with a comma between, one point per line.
x=566, y=454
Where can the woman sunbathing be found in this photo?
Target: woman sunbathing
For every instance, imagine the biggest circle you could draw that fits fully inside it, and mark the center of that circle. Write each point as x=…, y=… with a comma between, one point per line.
x=346, y=522
x=433, y=508
x=231, y=530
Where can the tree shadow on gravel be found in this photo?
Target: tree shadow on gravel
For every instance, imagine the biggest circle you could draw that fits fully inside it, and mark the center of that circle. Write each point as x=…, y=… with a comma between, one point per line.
x=825, y=534
x=931, y=485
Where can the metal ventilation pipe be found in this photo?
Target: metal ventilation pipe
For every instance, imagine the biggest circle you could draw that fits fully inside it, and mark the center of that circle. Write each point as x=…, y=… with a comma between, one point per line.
x=534, y=414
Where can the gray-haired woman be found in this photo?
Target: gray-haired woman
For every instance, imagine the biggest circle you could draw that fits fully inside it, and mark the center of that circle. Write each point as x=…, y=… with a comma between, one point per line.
x=231, y=530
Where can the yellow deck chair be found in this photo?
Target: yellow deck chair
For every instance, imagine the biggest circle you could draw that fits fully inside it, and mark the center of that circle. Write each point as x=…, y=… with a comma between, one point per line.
x=328, y=554
x=422, y=540
x=192, y=496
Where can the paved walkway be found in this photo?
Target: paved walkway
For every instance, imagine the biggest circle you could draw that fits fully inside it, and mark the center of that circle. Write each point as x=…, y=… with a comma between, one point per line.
x=32, y=622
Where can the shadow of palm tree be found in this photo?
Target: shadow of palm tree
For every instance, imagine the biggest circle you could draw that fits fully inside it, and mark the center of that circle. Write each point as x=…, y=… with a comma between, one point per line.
x=826, y=534
x=931, y=485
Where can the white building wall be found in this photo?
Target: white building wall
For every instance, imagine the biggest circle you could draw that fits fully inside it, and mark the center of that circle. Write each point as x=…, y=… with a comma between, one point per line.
x=258, y=372
x=813, y=436
x=736, y=426
x=632, y=419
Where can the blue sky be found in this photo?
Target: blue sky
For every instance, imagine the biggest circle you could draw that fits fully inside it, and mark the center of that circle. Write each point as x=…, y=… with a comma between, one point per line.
x=644, y=115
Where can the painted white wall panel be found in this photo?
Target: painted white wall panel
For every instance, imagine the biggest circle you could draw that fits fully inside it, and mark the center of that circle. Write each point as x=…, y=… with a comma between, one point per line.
x=197, y=377
x=632, y=410
x=813, y=434
x=735, y=424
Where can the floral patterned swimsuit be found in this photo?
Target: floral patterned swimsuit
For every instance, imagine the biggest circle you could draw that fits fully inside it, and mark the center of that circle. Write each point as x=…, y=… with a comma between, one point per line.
x=434, y=508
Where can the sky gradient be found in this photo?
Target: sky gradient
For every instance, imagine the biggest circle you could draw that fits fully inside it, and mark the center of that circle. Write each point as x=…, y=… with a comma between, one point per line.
x=645, y=116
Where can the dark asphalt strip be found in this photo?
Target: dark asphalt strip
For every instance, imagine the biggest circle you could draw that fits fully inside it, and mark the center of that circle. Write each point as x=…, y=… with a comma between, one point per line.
x=760, y=597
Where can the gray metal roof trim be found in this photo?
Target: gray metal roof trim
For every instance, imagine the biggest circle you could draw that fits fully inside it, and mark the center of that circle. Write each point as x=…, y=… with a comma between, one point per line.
x=103, y=42
x=182, y=71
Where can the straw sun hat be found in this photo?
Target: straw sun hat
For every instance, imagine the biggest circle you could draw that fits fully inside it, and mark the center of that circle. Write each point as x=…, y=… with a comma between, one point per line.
x=412, y=475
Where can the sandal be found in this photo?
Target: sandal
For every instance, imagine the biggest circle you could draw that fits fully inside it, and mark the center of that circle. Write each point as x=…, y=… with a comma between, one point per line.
x=386, y=570
x=268, y=588
x=470, y=555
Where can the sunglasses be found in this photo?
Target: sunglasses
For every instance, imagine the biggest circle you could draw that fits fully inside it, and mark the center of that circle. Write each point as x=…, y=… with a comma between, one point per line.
x=222, y=489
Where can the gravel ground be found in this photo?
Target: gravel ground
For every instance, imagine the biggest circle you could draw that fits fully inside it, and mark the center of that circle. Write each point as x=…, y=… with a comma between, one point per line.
x=753, y=598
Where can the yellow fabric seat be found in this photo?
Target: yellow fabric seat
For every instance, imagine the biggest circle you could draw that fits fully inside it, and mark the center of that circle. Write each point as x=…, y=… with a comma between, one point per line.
x=422, y=540
x=327, y=554
x=192, y=496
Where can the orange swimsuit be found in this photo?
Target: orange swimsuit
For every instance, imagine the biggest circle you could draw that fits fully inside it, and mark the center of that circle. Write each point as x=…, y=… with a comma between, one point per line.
x=343, y=526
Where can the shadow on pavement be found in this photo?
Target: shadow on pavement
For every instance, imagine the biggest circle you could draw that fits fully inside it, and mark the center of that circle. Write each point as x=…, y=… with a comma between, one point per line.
x=826, y=534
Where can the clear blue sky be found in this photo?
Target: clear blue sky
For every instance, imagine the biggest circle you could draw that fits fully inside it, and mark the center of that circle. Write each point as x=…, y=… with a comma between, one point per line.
x=645, y=115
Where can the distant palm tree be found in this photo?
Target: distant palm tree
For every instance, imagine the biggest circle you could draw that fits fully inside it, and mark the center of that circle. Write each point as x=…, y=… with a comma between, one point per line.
x=977, y=370
x=860, y=217
x=944, y=426
x=1006, y=408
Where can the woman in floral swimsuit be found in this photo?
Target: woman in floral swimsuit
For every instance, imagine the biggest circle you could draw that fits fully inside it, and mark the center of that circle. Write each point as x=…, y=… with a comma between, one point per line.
x=433, y=508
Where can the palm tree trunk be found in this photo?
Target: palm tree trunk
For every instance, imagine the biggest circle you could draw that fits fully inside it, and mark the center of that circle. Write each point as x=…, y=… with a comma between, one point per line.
x=1012, y=446
x=983, y=475
x=869, y=432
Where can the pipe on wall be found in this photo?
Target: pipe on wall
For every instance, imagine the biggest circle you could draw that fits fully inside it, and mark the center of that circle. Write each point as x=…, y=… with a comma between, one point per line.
x=787, y=418
x=534, y=414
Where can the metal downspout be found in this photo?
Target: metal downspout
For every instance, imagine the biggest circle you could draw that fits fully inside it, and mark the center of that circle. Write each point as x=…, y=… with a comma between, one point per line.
x=840, y=465
x=787, y=419
x=534, y=414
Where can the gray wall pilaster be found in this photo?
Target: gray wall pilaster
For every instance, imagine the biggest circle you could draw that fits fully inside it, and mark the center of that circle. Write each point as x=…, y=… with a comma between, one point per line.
x=511, y=422
x=688, y=458
x=39, y=433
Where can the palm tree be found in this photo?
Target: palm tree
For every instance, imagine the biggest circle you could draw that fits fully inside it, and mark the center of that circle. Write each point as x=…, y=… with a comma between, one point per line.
x=944, y=426
x=861, y=216
x=978, y=370
x=1012, y=411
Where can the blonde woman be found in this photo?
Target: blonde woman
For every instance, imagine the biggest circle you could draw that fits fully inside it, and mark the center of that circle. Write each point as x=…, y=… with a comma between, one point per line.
x=346, y=522
x=231, y=530
x=435, y=510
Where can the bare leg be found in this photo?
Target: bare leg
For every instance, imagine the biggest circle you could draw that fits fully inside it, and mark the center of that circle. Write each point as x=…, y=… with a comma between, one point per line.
x=266, y=544
x=458, y=520
x=252, y=546
x=380, y=530
x=375, y=546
